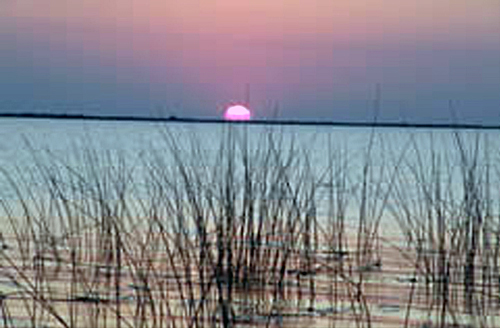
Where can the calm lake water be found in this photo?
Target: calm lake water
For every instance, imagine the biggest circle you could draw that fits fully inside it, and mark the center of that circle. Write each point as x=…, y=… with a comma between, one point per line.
x=383, y=184
x=395, y=156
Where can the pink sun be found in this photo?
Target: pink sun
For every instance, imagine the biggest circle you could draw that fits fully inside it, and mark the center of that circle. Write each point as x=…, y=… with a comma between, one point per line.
x=237, y=113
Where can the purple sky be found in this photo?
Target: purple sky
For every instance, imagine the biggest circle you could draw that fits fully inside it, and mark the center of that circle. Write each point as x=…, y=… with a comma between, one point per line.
x=319, y=59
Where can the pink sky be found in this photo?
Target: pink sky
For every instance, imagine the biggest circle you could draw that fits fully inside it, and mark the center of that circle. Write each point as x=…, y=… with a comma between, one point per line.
x=263, y=18
x=292, y=51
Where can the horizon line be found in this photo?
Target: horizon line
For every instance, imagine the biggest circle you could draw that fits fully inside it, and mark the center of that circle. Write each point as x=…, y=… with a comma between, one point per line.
x=177, y=119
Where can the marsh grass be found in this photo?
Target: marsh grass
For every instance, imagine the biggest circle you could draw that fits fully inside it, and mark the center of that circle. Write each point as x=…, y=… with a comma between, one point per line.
x=451, y=227
x=185, y=236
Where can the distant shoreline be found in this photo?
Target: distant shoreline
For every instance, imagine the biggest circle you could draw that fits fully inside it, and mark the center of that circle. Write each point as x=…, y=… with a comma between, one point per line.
x=175, y=119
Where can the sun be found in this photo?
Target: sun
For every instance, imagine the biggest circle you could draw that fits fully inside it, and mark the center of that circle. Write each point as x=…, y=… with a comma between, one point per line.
x=237, y=113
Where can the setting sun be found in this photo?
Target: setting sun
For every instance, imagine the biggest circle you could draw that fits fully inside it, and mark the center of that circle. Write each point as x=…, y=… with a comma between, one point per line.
x=237, y=113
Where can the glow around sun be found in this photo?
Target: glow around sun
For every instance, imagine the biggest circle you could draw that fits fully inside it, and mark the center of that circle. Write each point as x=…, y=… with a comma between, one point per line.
x=237, y=113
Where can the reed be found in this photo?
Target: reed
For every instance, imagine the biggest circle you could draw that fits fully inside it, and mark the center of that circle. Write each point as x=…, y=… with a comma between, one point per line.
x=252, y=232
x=448, y=222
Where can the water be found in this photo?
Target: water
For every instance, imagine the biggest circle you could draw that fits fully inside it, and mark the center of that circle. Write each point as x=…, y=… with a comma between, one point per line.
x=390, y=153
x=364, y=174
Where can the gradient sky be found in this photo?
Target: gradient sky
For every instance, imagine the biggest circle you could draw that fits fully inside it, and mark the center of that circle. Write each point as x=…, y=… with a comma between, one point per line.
x=320, y=59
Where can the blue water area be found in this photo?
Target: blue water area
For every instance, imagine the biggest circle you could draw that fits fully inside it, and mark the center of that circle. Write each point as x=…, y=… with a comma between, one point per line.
x=343, y=161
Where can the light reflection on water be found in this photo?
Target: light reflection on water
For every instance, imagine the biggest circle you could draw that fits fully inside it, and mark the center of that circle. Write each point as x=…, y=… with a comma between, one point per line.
x=394, y=161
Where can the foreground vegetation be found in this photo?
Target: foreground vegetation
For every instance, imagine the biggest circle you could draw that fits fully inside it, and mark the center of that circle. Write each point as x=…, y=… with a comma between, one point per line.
x=254, y=233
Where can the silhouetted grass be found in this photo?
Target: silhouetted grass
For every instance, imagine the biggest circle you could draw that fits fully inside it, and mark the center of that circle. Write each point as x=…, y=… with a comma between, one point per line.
x=251, y=232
